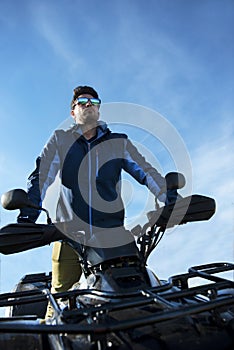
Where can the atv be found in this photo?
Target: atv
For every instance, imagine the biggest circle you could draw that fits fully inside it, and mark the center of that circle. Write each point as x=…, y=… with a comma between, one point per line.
x=121, y=304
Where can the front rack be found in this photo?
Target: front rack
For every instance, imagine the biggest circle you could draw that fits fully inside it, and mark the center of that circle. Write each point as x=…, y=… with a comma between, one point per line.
x=166, y=297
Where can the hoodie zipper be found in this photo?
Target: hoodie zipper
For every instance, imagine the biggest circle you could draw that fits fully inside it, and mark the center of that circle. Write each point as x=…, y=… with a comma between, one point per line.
x=90, y=191
x=90, y=184
x=97, y=163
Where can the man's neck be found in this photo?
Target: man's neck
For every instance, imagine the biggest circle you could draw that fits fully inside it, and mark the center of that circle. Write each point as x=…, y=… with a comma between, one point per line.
x=89, y=132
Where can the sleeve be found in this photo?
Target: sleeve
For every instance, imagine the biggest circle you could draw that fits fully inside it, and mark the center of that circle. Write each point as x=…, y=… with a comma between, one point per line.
x=142, y=171
x=47, y=167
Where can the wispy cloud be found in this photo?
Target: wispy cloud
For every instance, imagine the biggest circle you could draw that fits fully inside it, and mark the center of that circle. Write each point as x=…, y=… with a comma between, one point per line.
x=51, y=28
x=204, y=242
x=213, y=164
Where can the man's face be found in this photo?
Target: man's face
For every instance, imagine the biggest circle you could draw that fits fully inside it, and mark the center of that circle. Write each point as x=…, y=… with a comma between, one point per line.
x=85, y=113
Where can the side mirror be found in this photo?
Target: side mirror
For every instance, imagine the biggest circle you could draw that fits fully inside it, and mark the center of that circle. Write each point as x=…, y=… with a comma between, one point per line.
x=175, y=181
x=16, y=199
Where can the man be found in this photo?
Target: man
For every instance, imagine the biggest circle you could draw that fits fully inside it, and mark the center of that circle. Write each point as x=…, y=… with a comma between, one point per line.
x=89, y=159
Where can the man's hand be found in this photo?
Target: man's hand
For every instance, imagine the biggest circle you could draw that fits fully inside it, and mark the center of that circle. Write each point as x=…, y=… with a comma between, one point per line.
x=24, y=219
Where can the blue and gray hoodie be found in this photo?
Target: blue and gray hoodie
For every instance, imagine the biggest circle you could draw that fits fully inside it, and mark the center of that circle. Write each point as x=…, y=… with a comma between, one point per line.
x=90, y=174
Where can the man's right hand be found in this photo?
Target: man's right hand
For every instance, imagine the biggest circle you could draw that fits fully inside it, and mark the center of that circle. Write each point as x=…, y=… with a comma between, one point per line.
x=24, y=219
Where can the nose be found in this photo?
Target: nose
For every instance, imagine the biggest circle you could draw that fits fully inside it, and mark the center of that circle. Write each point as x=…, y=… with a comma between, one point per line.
x=88, y=103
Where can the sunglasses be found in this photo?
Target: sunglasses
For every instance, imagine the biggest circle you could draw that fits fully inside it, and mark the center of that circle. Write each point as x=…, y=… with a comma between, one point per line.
x=83, y=100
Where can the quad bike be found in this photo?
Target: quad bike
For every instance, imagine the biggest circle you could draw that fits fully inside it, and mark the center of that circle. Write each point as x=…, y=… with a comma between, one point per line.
x=122, y=304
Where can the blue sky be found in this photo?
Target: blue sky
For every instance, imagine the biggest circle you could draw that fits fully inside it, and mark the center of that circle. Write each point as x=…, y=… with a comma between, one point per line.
x=174, y=57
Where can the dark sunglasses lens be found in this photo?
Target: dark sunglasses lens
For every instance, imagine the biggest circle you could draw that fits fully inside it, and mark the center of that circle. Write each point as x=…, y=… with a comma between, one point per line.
x=95, y=101
x=82, y=100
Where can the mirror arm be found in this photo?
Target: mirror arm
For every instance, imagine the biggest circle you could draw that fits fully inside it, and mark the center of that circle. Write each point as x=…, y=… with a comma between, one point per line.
x=49, y=221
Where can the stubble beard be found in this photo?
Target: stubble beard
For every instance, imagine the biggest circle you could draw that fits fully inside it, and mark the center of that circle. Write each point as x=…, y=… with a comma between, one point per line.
x=88, y=118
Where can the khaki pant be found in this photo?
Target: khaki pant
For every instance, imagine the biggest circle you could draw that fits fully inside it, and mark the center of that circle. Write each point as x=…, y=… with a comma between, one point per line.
x=66, y=270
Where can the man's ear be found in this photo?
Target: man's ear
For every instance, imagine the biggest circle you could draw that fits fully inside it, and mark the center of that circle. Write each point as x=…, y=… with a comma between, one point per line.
x=72, y=114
